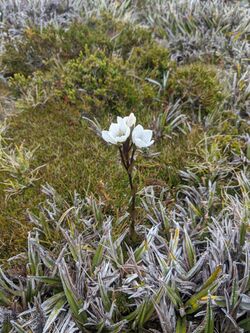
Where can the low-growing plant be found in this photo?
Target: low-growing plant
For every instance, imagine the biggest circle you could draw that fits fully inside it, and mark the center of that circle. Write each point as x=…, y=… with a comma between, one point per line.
x=182, y=66
x=193, y=279
x=129, y=138
x=101, y=83
x=34, y=90
x=150, y=61
x=211, y=31
x=37, y=48
x=16, y=165
x=95, y=83
x=238, y=85
x=197, y=85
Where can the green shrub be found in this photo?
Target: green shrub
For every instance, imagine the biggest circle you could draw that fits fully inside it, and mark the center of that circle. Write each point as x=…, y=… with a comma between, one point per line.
x=97, y=84
x=197, y=84
x=33, y=90
x=31, y=52
x=130, y=37
x=95, y=65
x=150, y=60
x=104, y=84
x=123, y=36
x=37, y=50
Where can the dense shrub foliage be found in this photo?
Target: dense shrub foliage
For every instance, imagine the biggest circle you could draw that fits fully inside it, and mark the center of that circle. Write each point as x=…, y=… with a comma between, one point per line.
x=36, y=49
x=197, y=85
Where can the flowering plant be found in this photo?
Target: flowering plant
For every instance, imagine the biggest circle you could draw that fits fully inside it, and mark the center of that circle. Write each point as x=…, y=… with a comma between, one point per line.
x=128, y=137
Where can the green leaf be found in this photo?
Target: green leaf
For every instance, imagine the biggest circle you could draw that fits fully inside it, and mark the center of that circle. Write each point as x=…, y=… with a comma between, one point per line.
x=74, y=304
x=54, y=314
x=243, y=232
x=132, y=315
x=174, y=297
x=8, y=285
x=209, y=327
x=209, y=285
x=4, y=300
x=104, y=296
x=189, y=249
x=51, y=301
x=141, y=250
x=147, y=308
x=234, y=293
x=245, y=324
x=48, y=280
x=248, y=150
x=212, y=278
x=181, y=326
x=97, y=259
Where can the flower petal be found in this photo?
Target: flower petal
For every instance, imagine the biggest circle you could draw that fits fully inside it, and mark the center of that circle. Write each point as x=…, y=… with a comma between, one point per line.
x=108, y=138
x=120, y=120
x=138, y=142
x=137, y=131
x=130, y=120
x=150, y=143
x=147, y=135
x=114, y=127
x=123, y=138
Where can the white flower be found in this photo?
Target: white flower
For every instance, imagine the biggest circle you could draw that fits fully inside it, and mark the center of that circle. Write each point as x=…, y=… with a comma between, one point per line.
x=130, y=120
x=117, y=133
x=142, y=137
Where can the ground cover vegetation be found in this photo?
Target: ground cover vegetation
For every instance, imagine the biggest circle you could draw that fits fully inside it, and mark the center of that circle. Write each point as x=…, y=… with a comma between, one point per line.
x=68, y=261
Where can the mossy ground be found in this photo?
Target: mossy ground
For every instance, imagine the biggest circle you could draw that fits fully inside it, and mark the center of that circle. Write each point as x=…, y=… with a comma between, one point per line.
x=75, y=159
x=102, y=76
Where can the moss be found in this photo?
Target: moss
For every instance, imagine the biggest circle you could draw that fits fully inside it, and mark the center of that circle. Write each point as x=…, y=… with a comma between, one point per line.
x=231, y=123
x=198, y=86
x=122, y=301
x=71, y=154
x=76, y=159
x=229, y=145
x=175, y=155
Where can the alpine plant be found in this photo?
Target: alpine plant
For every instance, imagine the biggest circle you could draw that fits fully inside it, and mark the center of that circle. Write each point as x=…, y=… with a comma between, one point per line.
x=128, y=139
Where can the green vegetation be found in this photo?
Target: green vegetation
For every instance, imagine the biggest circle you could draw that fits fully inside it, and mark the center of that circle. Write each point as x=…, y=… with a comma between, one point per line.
x=64, y=187
x=37, y=49
x=197, y=85
x=68, y=152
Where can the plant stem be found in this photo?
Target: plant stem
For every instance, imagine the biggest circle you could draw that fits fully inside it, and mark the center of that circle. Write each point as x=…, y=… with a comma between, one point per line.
x=123, y=159
x=128, y=162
